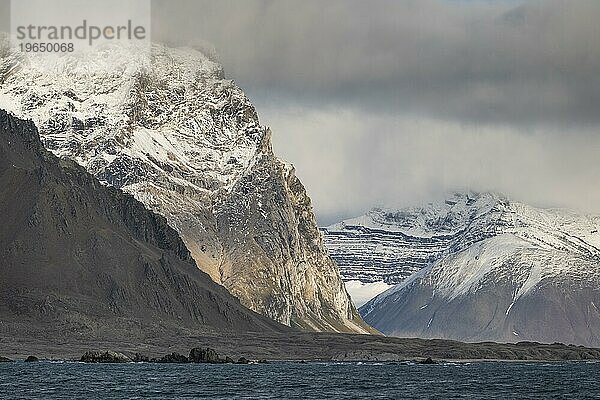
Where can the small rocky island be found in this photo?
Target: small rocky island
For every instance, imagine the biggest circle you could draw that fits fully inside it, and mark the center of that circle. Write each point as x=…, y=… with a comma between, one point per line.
x=197, y=355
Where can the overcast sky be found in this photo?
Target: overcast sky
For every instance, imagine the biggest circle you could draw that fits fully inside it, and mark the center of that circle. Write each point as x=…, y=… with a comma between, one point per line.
x=396, y=102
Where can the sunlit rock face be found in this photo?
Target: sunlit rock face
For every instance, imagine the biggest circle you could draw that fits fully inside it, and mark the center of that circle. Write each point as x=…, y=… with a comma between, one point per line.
x=167, y=127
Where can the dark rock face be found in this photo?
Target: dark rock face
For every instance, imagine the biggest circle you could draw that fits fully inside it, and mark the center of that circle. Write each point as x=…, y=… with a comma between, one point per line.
x=140, y=358
x=4, y=359
x=31, y=359
x=104, y=357
x=428, y=360
x=197, y=355
x=80, y=257
x=175, y=358
x=207, y=355
x=210, y=356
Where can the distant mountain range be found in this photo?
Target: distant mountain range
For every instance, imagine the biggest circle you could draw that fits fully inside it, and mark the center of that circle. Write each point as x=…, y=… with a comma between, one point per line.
x=476, y=267
x=166, y=126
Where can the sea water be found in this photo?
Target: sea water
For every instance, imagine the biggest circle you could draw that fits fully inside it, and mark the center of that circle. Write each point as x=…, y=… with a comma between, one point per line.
x=290, y=380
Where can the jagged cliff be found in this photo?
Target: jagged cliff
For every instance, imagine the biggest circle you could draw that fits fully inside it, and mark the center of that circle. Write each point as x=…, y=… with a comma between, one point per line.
x=167, y=127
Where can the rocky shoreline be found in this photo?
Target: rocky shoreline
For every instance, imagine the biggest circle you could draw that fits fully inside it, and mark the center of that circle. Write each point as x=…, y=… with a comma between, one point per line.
x=308, y=347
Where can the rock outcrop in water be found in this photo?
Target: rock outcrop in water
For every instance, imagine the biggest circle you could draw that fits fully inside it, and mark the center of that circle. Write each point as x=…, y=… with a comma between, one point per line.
x=168, y=128
x=207, y=355
x=197, y=355
x=104, y=357
x=173, y=358
x=82, y=258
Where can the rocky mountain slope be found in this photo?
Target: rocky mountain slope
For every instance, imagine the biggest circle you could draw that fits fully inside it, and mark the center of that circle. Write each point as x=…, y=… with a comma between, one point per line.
x=78, y=257
x=168, y=128
x=387, y=245
x=492, y=269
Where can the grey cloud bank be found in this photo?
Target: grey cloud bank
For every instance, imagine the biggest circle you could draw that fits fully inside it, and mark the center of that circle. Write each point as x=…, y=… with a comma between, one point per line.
x=364, y=160
x=499, y=62
x=397, y=102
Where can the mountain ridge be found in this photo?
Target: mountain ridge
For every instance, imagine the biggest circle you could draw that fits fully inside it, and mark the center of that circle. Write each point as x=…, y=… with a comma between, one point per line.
x=100, y=260
x=497, y=270
x=168, y=128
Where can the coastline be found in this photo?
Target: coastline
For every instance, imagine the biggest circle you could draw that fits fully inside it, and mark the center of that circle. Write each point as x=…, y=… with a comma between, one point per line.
x=295, y=347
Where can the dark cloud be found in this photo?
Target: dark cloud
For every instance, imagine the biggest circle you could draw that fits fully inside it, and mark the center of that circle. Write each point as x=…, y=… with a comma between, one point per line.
x=388, y=102
x=502, y=62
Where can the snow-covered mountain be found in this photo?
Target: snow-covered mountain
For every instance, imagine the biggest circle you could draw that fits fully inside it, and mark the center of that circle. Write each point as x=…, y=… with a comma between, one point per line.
x=385, y=246
x=169, y=128
x=487, y=268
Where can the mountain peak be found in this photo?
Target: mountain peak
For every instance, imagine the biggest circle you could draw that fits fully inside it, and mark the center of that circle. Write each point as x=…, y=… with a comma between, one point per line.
x=166, y=126
x=447, y=216
x=475, y=260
